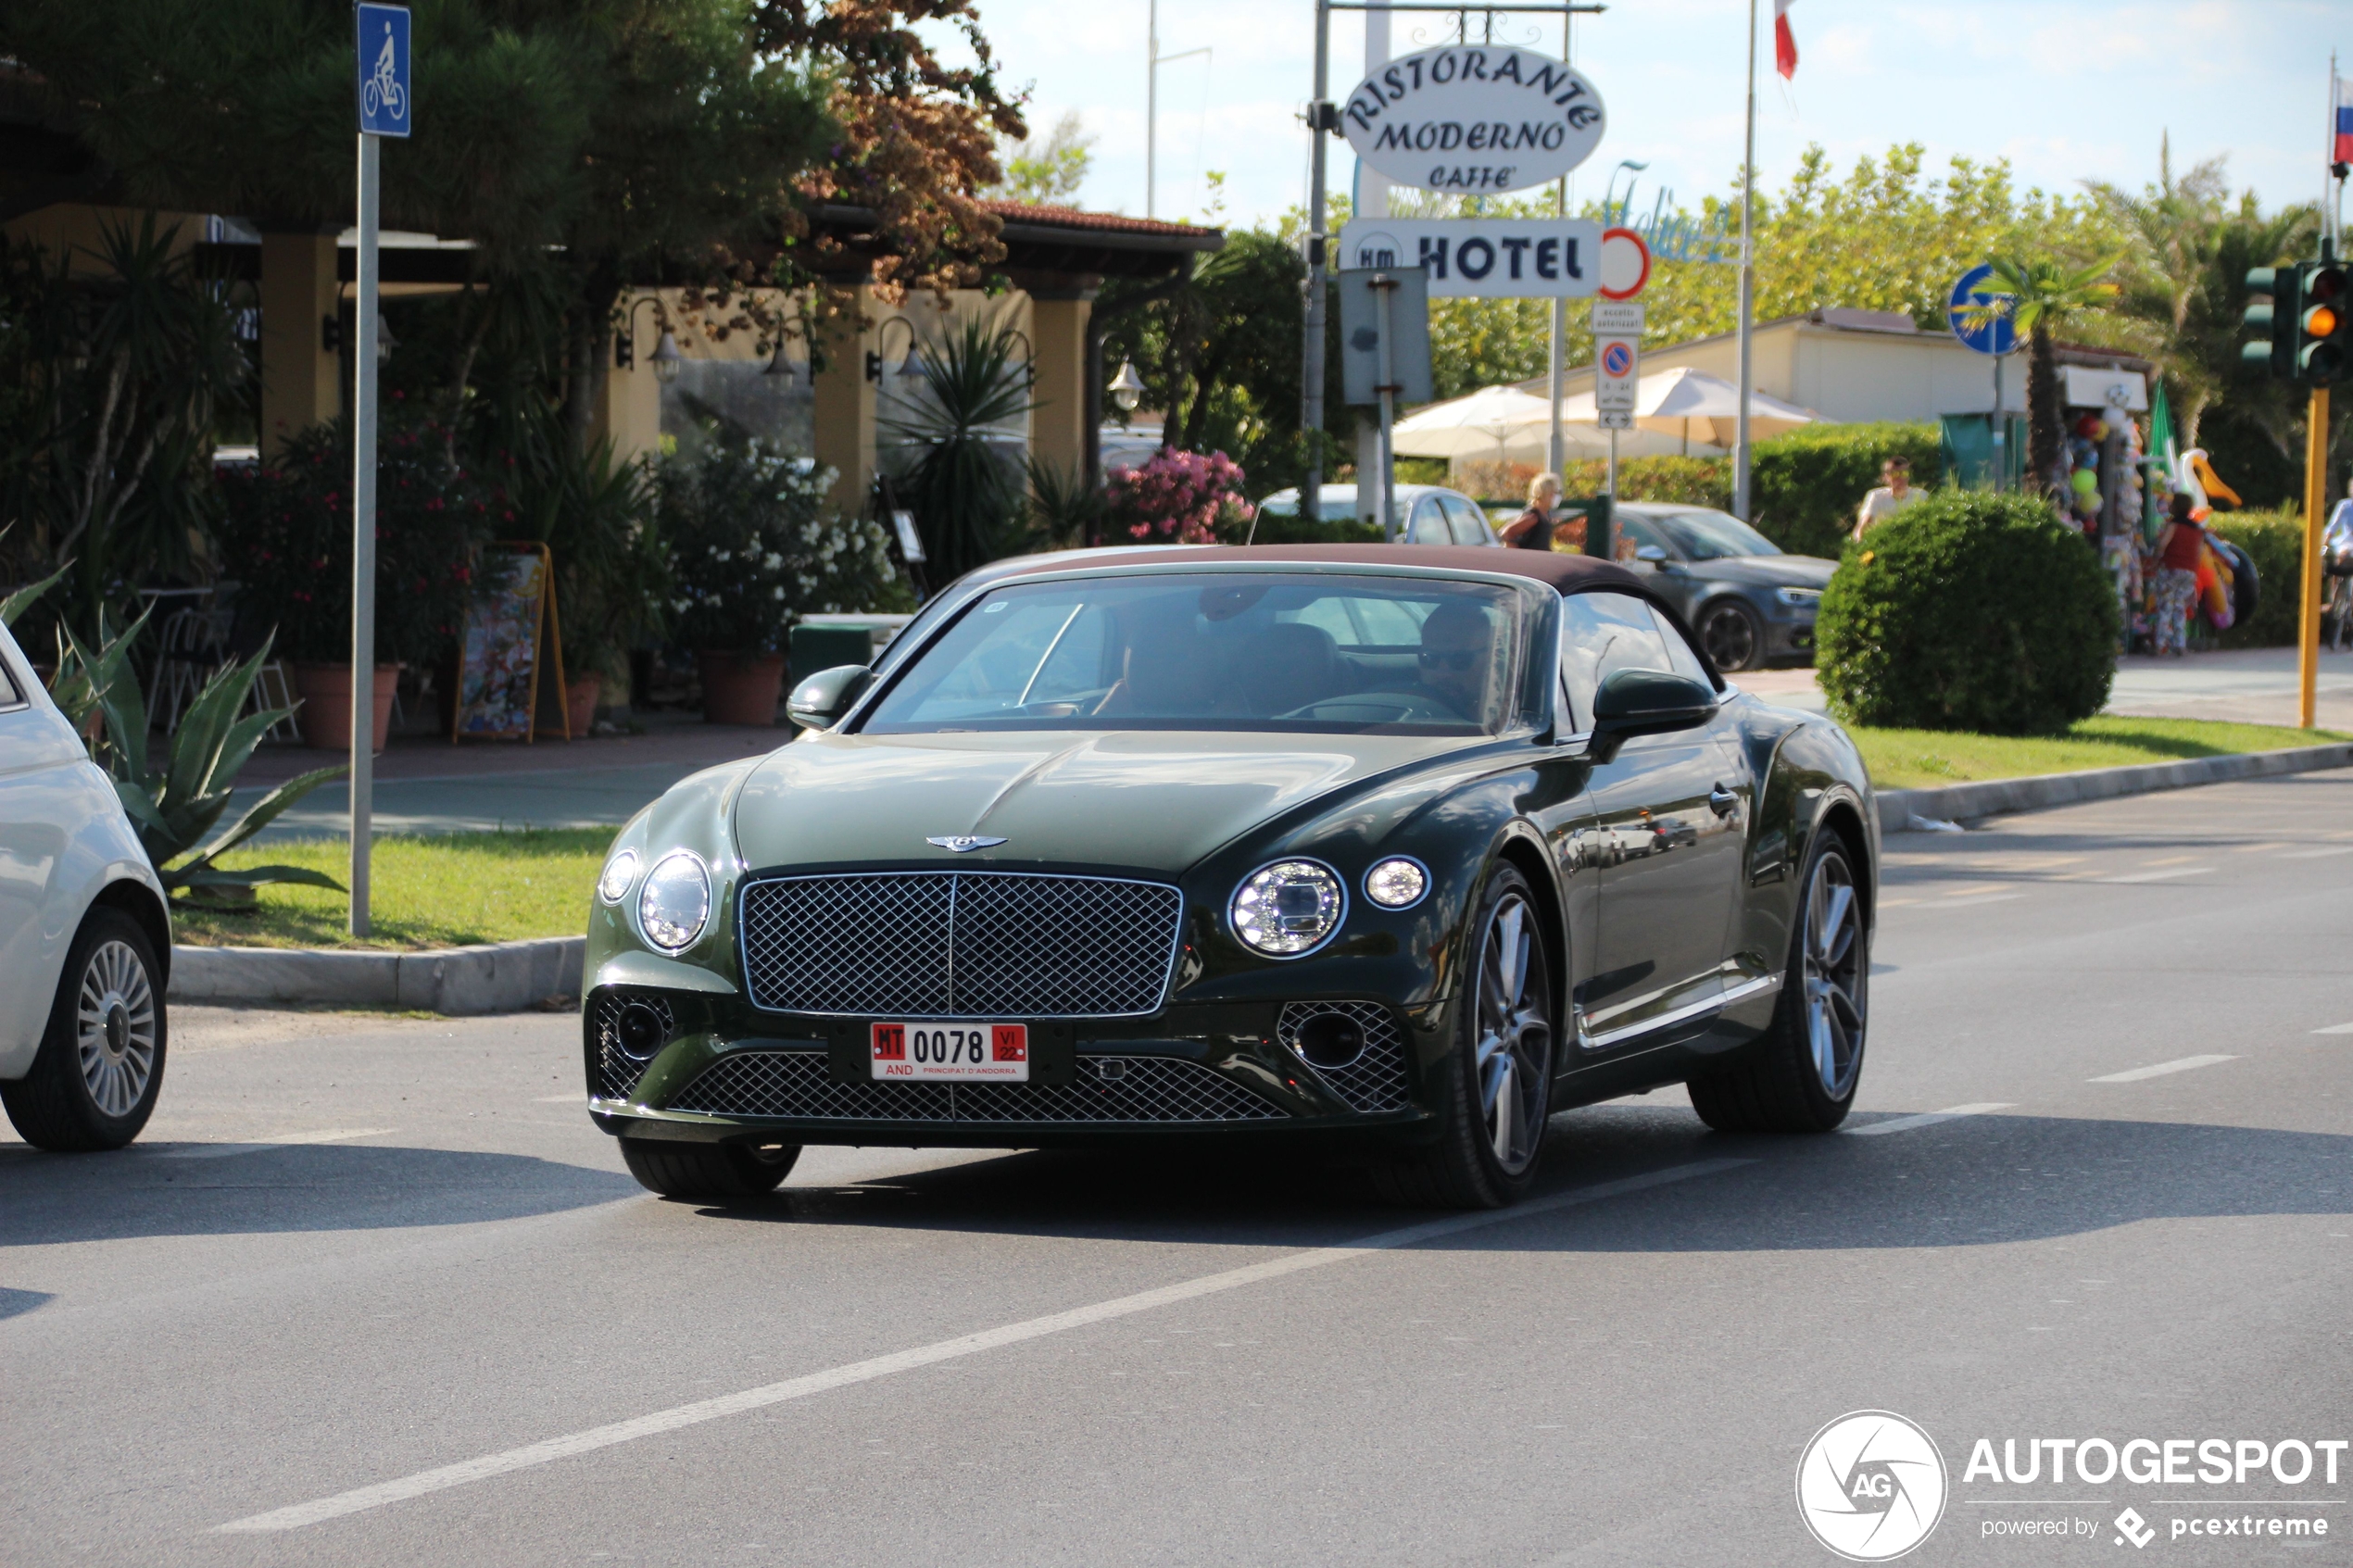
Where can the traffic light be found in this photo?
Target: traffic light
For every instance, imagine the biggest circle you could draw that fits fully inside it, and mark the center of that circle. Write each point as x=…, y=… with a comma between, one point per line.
x=2273, y=310
x=2321, y=322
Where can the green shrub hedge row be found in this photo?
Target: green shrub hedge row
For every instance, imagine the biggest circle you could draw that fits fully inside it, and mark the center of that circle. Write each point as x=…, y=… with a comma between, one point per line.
x=2275, y=540
x=1809, y=483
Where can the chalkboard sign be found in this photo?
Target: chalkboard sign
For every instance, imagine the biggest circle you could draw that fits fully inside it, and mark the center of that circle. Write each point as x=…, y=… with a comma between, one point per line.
x=510, y=633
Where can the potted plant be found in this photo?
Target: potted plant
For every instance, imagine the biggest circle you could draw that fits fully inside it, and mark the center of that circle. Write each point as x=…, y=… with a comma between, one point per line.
x=752, y=544
x=287, y=542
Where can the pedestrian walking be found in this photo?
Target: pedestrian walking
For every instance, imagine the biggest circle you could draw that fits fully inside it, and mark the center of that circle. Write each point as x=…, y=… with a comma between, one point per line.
x=2178, y=547
x=1532, y=530
x=1894, y=493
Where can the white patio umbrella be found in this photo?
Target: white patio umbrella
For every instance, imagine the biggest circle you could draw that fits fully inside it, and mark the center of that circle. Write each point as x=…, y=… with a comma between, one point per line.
x=1695, y=407
x=1487, y=424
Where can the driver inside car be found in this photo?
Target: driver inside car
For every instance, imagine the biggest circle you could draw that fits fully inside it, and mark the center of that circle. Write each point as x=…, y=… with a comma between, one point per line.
x=1458, y=658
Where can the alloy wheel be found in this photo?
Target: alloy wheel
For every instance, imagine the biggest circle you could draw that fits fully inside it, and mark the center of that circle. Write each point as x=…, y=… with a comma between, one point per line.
x=1834, y=978
x=115, y=1028
x=1514, y=1058
x=1730, y=637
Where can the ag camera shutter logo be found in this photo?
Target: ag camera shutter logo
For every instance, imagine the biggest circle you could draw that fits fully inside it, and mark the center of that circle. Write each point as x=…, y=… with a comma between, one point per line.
x=1870, y=1485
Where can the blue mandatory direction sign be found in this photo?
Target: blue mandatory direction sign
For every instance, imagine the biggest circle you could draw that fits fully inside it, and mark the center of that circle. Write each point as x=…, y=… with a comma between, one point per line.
x=1987, y=333
x=384, y=70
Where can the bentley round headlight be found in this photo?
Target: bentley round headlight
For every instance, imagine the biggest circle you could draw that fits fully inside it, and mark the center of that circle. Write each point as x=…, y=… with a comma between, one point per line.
x=1286, y=908
x=676, y=902
x=1396, y=883
x=620, y=872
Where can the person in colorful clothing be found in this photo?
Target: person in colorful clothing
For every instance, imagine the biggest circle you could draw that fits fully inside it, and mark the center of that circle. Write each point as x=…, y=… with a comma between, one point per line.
x=2178, y=547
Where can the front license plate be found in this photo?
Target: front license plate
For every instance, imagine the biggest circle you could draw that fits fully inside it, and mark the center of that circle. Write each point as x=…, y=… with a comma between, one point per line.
x=961, y=1052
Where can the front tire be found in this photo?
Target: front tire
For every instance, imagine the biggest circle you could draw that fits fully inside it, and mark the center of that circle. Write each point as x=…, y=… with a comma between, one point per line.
x=100, y=1066
x=1500, y=1073
x=1801, y=1077
x=709, y=1172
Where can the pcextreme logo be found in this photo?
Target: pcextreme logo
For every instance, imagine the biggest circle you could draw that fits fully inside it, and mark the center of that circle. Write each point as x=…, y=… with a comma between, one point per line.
x=1870, y=1485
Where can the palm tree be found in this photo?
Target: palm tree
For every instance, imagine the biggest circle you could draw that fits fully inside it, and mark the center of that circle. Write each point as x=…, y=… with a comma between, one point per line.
x=2038, y=295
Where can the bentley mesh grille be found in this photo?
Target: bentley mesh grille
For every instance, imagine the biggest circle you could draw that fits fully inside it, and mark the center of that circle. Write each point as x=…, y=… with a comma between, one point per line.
x=960, y=945
x=617, y=1071
x=1378, y=1079
x=1146, y=1089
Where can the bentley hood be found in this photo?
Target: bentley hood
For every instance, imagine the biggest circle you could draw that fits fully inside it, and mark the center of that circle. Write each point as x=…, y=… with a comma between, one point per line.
x=1130, y=799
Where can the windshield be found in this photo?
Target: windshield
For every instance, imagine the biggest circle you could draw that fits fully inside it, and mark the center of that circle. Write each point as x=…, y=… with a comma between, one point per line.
x=1222, y=651
x=1699, y=535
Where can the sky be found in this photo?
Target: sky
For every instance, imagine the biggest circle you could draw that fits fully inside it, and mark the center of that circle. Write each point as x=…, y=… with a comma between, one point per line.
x=2066, y=89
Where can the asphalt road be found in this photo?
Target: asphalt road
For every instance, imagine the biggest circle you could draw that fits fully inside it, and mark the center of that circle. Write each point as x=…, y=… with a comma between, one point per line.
x=374, y=1292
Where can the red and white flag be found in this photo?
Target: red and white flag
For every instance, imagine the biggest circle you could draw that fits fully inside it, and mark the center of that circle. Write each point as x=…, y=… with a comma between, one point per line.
x=1784, y=44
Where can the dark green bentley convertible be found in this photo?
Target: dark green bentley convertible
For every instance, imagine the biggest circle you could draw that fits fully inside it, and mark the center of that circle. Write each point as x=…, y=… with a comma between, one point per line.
x=1399, y=849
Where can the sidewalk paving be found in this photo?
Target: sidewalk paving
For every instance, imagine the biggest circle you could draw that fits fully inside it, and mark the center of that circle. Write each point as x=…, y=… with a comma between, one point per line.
x=425, y=784
x=2242, y=685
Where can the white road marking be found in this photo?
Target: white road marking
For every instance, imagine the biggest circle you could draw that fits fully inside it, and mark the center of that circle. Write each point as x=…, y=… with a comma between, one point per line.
x=1926, y=1118
x=552, y=1449
x=2161, y=876
x=1980, y=899
x=577, y=1096
x=290, y=1140
x=2160, y=1070
x=2336, y=1029
x=2318, y=854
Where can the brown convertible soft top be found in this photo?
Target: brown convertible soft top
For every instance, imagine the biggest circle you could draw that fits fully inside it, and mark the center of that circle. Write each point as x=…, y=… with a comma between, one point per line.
x=1565, y=573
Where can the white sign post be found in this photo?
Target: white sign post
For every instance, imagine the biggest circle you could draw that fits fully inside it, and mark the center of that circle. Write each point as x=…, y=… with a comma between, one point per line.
x=383, y=111
x=1484, y=257
x=1477, y=117
x=1618, y=369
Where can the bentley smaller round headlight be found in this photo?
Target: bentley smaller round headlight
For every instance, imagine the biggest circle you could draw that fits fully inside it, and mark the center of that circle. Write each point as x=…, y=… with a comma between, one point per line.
x=620, y=872
x=676, y=902
x=1288, y=908
x=1396, y=883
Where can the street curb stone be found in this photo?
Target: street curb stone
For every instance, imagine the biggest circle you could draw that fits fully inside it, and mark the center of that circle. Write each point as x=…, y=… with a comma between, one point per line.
x=492, y=977
x=1899, y=808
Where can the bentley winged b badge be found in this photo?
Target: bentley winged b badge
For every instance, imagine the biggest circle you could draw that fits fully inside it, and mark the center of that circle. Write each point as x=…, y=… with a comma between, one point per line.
x=965, y=843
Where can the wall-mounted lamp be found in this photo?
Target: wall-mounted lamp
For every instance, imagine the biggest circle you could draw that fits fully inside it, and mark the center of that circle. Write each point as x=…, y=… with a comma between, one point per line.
x=1128, y=387
x=385, y=341
x=330, y=334
x=665, y=358
x=911, y=366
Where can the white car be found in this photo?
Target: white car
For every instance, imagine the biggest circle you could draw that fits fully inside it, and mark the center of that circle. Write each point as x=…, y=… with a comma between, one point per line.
x=85, y=935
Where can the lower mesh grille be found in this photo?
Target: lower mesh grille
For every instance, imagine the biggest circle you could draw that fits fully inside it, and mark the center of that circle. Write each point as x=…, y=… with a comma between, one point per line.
x=617, y=1072
x=1378, y=1079
x=1110, y=1089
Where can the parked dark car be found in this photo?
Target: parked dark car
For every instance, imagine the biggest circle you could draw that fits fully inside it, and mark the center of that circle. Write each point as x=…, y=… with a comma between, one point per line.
x=1751, y=604
x=1394, y=848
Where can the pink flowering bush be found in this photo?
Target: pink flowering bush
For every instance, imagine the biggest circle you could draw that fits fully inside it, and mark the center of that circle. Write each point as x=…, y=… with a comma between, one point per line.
x=1177, y=498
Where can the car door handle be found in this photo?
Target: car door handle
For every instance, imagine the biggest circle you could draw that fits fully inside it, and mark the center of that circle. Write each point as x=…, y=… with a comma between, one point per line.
x=1722, y=801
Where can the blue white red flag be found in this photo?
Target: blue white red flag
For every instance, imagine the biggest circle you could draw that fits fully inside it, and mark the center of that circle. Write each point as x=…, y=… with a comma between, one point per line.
x=2344, y=150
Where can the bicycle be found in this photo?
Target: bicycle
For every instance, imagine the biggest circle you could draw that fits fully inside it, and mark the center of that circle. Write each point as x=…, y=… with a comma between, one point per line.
x=381, y=92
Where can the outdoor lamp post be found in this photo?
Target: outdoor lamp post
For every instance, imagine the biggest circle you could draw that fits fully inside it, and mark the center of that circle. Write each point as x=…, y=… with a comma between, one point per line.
x=911, y=365
x=1126, y=389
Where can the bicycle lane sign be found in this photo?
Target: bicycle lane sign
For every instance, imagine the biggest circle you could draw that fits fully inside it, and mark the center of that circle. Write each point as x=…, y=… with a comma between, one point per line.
x=384, y=70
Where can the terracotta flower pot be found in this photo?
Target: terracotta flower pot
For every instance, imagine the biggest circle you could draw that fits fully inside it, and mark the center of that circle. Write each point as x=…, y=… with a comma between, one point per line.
x=325, y=714
x=580, y=704
x=740, y=688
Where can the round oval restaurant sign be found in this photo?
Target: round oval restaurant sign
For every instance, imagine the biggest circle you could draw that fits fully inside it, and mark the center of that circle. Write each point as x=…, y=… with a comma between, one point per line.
x=1473, y=118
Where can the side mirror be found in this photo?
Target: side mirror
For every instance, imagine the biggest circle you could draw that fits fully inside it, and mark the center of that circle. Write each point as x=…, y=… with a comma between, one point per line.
x=819, y=702
x=1646, y=702
x=1655, y=553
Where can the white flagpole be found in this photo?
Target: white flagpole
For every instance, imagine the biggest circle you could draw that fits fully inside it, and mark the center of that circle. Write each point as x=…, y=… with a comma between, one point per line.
x=1748, y=281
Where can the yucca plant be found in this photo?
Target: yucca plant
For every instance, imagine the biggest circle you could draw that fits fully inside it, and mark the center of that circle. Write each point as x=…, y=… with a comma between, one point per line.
x=966, y=495
x=174, y=807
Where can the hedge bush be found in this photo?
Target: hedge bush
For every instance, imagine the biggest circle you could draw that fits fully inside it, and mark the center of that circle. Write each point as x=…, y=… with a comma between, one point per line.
x=1968, y=610
x=1807, y=483
x=2276, y=542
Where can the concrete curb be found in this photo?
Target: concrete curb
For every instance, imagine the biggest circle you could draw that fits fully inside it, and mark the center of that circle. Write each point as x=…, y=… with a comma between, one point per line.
x=1897, y=808
x=494, y=977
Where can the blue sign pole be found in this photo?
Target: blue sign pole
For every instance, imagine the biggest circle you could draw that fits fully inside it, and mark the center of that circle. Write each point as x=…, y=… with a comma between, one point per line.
x=1991, y=332
x=385, y=104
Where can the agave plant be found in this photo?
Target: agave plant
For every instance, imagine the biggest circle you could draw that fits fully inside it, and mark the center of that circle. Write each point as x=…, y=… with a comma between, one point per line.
x=966, y=495
x=175, y=807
